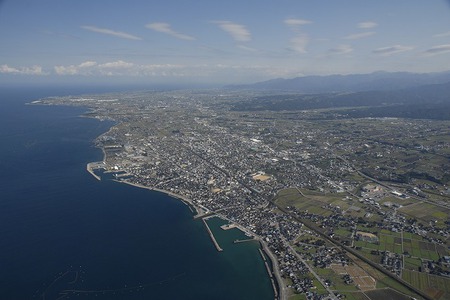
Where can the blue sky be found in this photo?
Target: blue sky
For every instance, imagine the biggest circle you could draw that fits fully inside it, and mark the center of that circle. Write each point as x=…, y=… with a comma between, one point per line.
x=212, y=41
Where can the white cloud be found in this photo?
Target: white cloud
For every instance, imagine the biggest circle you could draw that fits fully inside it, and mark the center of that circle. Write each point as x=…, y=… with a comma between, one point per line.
x=87, y=64
x=342, y=49
x=165, y=28
x=444, y=34
x=120, y=64
x=299, y=43
x=205, y=72
x=440, y=49
x=300, y=40
x=367, y=25
x=120, y=34
x=33, y=70
x=84, y=68
x=358, y=36
x=237, y=31
x=116, y=68
x=296, y=22
x=247, y=48
x=386, y=51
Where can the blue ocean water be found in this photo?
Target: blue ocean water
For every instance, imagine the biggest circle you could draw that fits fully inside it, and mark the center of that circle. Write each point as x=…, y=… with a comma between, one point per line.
x=65, y=235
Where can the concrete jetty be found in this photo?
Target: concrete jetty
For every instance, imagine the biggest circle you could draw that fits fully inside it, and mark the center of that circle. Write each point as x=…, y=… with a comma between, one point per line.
x=90, y=167
x=228, y=226
x=212, y=236
x=243, y=241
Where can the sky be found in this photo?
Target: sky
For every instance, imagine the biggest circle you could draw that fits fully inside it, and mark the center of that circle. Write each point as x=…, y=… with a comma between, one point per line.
x=216, y=41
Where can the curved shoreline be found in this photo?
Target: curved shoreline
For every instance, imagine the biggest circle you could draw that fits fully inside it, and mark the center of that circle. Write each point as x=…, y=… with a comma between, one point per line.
x=279, y=292
x=199, y=212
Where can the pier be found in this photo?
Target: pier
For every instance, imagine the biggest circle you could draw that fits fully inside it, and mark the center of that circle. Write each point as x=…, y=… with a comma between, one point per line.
x=228, y=226
x=212, y=236
x=243, y=241
x=90, y=167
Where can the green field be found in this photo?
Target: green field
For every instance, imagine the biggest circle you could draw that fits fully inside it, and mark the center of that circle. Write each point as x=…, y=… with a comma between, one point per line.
x=426, y=212
x=436, y=286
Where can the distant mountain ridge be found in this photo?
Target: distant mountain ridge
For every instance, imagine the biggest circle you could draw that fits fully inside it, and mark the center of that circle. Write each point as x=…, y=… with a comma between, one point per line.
x=430, y=101
x=377, y=81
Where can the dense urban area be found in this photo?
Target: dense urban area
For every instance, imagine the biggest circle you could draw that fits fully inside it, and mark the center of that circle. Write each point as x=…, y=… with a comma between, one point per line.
x=344, y=207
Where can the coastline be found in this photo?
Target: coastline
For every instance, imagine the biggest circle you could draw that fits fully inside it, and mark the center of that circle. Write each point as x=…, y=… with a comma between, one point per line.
x=279, y=292
x=199, y=212
x=101, y=201
x=275, y=277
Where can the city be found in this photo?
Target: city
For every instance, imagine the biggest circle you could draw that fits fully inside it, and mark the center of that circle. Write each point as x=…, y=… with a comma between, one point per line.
x=344, y=207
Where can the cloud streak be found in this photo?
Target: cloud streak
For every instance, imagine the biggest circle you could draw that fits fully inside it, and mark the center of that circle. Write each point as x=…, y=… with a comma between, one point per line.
x=33, y=70
x=122, y=68
x=440, y=49
x=296, y=22
x=301, y=39
x=341, y=49
x=166, y=28
x=106, y=31
x=386, y=51
x=444, y=34
x=299, y=43
x=358, y=36
x=367, y=25
x=238, y=32
x=84, y=67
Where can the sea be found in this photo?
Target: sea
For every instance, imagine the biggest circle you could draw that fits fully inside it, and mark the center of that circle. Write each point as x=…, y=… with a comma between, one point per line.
x=66, y=235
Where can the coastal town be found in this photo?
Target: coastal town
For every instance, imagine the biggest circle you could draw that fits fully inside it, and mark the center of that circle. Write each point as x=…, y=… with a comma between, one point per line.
x=342, y=207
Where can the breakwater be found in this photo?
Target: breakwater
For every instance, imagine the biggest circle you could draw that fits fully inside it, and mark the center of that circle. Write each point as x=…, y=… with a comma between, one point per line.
x=269, y=271
x=212, y=236
x=90, y=167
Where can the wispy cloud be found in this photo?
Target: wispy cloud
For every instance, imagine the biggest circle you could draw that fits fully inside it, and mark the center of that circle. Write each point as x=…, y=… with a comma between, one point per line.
x=83, y=68
x=301, y=39
x=299, y=42
x=444, y=34
x=296, y=22
x=166, y=28
x=119, y=64
x=440, y=49
x=205, y=71
x=386, y=51
x=87, y=64
x=250, y=49
x=115, y=68
x=342, y=49
x=358, y=36
x=237, y=31
x=33, y=70
x=119, y=34
x=367, y=25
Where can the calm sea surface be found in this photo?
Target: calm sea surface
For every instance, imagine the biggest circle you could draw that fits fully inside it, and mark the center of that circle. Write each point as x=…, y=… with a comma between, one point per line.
x=65, y=235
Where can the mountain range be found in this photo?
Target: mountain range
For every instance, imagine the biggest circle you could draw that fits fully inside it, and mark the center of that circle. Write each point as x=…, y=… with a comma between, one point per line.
x=377, y=81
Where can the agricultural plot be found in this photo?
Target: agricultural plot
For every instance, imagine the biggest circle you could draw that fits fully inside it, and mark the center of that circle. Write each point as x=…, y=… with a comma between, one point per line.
x=336, y=278
x=386, y=294
x=361, y=278
x=436, y=287
x=412, y=264
x=426, y=212
x=387, y=242
x=412, y=244
x=311, y=201
x=420, y=249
